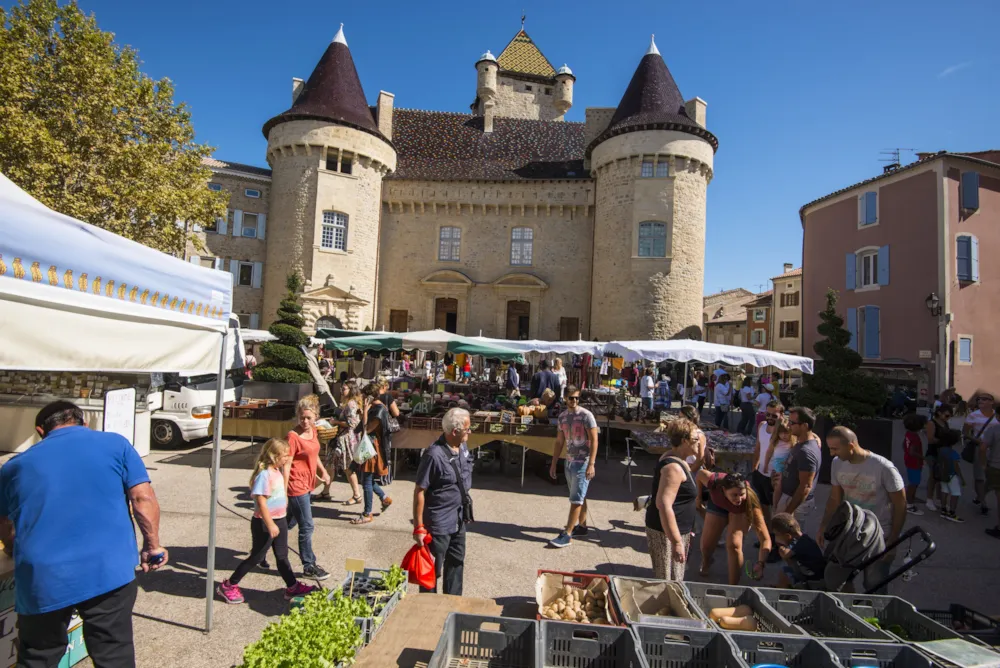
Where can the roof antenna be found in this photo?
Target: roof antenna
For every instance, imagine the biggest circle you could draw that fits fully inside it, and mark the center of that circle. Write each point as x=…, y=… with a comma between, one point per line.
x=523, y=16
x=892, y=159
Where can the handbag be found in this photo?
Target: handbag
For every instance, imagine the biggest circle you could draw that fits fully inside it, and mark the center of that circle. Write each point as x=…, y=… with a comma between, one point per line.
x=971, y=445
x=391, y=423
x=364, y=450
x=467, y=512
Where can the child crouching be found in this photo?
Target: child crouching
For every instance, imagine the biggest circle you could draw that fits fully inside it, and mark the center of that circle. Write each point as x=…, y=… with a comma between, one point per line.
x=804, y=560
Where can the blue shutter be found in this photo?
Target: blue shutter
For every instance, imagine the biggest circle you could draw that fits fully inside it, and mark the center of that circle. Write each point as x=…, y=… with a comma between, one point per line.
x=883, y=265
x=852, y=270
x=963, y=267
x=852, y=327
x=970, y=190
x=965, y=350
x=974, y=257
x=872, y=331
x=871, y=207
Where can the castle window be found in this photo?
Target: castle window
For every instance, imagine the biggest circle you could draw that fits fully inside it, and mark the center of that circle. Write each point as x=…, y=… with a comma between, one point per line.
x=521, y=242
x=345, y=164
x=334, y=234
x=647, y=169
x=215, y=187
x=662, y=168
x=652, y=240
x=548, y=91
x=449, y=244
x=527, y=88
x=250, y=192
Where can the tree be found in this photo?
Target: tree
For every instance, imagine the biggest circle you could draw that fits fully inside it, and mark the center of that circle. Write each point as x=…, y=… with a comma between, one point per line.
x=838, y=387
x=284, y=361
x=85, y=132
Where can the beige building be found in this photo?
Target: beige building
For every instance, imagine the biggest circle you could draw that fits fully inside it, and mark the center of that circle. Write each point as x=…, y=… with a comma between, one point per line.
x=786, y=326
x=507, y=220
x=724, y=315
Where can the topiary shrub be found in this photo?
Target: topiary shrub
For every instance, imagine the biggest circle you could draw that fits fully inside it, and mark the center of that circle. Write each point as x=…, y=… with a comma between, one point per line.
x=283, y=361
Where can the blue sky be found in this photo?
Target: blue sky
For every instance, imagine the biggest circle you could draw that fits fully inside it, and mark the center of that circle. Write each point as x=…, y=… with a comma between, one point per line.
x=802, y=95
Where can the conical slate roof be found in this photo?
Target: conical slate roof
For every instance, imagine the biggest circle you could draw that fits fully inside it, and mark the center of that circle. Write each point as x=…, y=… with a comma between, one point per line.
x=333, y=93
x=652, y=101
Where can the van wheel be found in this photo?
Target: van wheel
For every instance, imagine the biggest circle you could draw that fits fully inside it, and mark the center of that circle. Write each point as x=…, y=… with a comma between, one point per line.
x=165, y=434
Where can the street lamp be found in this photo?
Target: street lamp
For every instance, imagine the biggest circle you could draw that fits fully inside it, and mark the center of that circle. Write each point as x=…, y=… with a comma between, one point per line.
x=933, y=304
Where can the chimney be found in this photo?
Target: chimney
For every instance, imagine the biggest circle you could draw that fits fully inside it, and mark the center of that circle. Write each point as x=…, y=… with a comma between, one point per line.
x=383, y=113
x=788, y=267
x=297, y=85
x=695, y=109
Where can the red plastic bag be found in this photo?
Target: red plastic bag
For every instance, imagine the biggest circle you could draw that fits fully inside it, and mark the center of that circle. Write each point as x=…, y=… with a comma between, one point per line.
x=420, y=564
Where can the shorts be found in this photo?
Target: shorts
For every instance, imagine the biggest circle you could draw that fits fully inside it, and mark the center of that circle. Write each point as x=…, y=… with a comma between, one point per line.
x=576, y=480
x=913, y=476
x=648, y=402
x=762, y=487
x=952, y=487
x=716, y=510
x=802, y=512
x=992, y=479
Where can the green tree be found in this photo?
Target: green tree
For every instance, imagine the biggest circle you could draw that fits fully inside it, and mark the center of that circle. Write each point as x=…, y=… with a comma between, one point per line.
x=284, y=361
x=84, y=131
x=838, y=387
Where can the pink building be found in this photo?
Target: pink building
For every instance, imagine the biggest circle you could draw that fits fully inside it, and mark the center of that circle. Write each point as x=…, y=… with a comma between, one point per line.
x=903, y=250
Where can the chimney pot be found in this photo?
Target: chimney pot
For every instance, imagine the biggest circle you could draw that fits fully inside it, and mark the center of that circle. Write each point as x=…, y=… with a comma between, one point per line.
x=788, y=267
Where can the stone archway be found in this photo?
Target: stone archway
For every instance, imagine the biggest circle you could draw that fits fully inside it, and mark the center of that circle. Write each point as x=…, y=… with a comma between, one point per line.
x=329, y=322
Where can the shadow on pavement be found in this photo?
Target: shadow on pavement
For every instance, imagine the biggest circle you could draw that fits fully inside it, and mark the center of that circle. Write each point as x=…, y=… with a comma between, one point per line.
x=506, y=532
x=522, y=607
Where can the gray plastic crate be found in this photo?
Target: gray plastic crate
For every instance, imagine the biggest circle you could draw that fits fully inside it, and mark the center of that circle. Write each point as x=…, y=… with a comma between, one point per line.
x=893, y=611
x=973, y=626
x=856, y=653
x=820, y=615
x=369, y=585
x=686, y=648
x=476, y=641
x=700, y=620
x=566, y=645
x=708, y=596
x=790, y=651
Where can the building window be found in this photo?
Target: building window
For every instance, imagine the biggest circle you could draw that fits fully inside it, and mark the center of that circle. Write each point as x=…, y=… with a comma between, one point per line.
x=449, y=244
x=249, y=229
x=521, y=246
x=969, y=191
x=647, y=169
x=967, y=265
x=212, y=226
x=250, y=192
x=867, y=209
x=759, y=315
x=662, y=168
x=207, y=262
x=548, y=91
x=215, y=187
x=399, y=320
x=334, y=234
x=569, y=329
x=652, y=239
x=789, y=299
x=245, y=277
x=758, y=337
x=789, y=329
x=868, y=269
x=244, y=319
x=346, y=162
x=965, y=350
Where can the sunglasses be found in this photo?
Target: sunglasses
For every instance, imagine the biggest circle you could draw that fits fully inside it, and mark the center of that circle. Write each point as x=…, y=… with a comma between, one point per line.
x=574, y=398
x=792, y=423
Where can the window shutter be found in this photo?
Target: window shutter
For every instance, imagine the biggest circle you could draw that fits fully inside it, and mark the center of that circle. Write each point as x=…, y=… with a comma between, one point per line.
x=218, y=263
x=861, y=209
x=261, y=225
x=974, y=257
x=963, y=266
x=970, y=191
x=254, y=320
x=872, y=331
x=234, y=269
x=781, y=328
x=258, y=268
x=238, y=223
x=223, y=223
x=852, y=270
x=195, y=259
x=883, y=265
x=871, y=208
x=852, y=327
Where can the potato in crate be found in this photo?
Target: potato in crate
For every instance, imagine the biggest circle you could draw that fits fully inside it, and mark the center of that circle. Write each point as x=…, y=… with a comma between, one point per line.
x=577, y=597
x=820, y=615
x=476, y=641
x=686, y=648
x=735, y=608
x=566, y=645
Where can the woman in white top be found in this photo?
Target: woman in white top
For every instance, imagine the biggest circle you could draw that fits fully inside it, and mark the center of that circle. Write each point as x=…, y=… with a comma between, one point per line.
x=747, y=408
x=761, y=402
x=560, y=372
x=723, y=399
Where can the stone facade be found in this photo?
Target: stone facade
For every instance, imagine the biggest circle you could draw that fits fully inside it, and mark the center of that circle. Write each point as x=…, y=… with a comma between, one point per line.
x=526, y=99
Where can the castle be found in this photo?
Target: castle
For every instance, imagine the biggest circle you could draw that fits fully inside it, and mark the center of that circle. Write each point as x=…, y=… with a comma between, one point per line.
x=507, y=221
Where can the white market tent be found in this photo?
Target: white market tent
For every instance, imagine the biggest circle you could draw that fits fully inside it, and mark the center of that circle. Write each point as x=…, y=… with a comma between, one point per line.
x=687, y=350
x=78, y=298
x=548, y=347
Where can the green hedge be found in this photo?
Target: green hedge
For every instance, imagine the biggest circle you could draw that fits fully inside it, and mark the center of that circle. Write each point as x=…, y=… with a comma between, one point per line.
x=289, y=335
x=276, y=374
x=281, y=355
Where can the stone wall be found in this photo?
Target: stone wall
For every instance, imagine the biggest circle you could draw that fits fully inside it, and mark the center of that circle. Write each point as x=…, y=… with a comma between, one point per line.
x=515, y=100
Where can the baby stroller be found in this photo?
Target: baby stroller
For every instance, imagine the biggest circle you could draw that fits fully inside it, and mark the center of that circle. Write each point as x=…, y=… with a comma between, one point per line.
x=855, y=541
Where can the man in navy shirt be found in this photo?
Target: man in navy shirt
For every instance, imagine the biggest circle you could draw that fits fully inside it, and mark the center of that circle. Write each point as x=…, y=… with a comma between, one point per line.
x=543, y=380
x=65, y=504
x=437, y=499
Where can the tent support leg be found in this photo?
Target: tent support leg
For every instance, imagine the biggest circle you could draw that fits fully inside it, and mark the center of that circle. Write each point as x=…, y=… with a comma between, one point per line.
x=684, y=386
x=220, y=389
x=524, y=454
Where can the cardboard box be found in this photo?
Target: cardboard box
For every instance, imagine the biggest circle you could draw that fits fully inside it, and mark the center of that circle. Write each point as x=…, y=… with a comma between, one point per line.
x=655, y=602
x=551, y=586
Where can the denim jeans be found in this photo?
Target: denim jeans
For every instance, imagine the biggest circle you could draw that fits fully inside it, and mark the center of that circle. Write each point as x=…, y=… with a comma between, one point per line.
x=370, y=488
x=300, y=512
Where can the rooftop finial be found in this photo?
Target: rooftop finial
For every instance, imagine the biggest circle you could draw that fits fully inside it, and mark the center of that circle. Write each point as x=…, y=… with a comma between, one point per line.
x=523, y=16
x=652, y=51
x=339, y=37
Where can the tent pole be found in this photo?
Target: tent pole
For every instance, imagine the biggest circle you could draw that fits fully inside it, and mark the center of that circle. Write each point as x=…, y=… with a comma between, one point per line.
x=220, y=393
x=684, y=386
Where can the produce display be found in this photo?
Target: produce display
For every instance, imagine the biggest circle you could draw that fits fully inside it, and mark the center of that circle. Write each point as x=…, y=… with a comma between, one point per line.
x=578, y=605
x=739, y=618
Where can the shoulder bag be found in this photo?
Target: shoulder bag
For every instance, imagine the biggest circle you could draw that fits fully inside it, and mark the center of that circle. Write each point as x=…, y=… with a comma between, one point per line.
x=467, y=515
x=971, y=445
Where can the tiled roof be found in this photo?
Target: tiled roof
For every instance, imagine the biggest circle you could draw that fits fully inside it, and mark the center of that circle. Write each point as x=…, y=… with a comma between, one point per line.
x=763, y=299
x=789, y=274
x=214, y=163
x=734, y=317
x=652, y=101
x=523, y=57
x=734, y=294
x=333, y=93
x=441, y=146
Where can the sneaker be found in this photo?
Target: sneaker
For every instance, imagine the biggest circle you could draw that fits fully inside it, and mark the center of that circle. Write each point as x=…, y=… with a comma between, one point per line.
x=580, y=530
x=913, y=510
x=984, y=509
x=263, y=564
x=952, y=517
x=230, y=593
x=930, y=505
x=562, y=540
x=315, y=572
x=299, y=589
x=640, y=503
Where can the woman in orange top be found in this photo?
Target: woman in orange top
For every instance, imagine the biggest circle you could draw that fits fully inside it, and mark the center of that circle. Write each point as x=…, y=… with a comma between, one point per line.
x=376, y=426
x=301, y=472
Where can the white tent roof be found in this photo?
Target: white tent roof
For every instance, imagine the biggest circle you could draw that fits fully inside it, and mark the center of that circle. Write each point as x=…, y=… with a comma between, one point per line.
x=551, y=347
x=75, y=297
x=686, y=350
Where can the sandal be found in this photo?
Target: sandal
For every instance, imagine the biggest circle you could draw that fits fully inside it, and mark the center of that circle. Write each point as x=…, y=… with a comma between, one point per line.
x=353, y=501
x=322, y=496
x=363, y=519
x=386, y=502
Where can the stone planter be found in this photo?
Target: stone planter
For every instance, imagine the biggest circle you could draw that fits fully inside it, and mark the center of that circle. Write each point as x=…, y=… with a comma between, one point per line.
x=255, y=389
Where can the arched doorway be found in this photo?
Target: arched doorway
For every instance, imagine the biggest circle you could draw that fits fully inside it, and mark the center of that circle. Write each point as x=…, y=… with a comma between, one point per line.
x=518, y=320
x=446, y=314
x=328, y=322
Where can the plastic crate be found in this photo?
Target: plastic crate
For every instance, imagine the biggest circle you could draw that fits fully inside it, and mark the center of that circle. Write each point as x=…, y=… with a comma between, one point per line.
x=565, y=645
x=893, y=611
x=820, y=615
x=368, y=584
x=854, y=654
x=791, y=651
x=475, y=641
x=700, y=620
x=582, y=581
x=686, y=648
x=970, y=624
x=708, y=596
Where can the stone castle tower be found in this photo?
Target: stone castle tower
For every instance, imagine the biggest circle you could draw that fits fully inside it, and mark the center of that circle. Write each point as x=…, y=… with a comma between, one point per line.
x=652, y=162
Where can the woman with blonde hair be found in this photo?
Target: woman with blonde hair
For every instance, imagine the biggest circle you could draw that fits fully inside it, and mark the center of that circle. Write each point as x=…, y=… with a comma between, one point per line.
x=348, y=434
x=732, y=505
x=560, y=372
x=782, y=442
x=301, y=471
x=670, y=515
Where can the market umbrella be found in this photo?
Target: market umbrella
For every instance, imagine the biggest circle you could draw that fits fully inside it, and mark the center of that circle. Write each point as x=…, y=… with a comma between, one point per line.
x=435, y=340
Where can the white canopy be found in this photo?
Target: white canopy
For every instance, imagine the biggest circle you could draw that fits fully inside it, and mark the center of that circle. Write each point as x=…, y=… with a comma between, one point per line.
x=686, y=350
x=75, y=297
x=580, y=347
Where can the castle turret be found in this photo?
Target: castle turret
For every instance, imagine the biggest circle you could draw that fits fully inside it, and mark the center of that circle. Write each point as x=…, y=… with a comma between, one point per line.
x=328, y=158
x=652, y=163
x=564, y=90
x=486, y=88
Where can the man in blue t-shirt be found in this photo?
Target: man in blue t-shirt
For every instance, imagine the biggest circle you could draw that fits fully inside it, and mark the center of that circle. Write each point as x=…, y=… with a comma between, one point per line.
x=64, y=506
